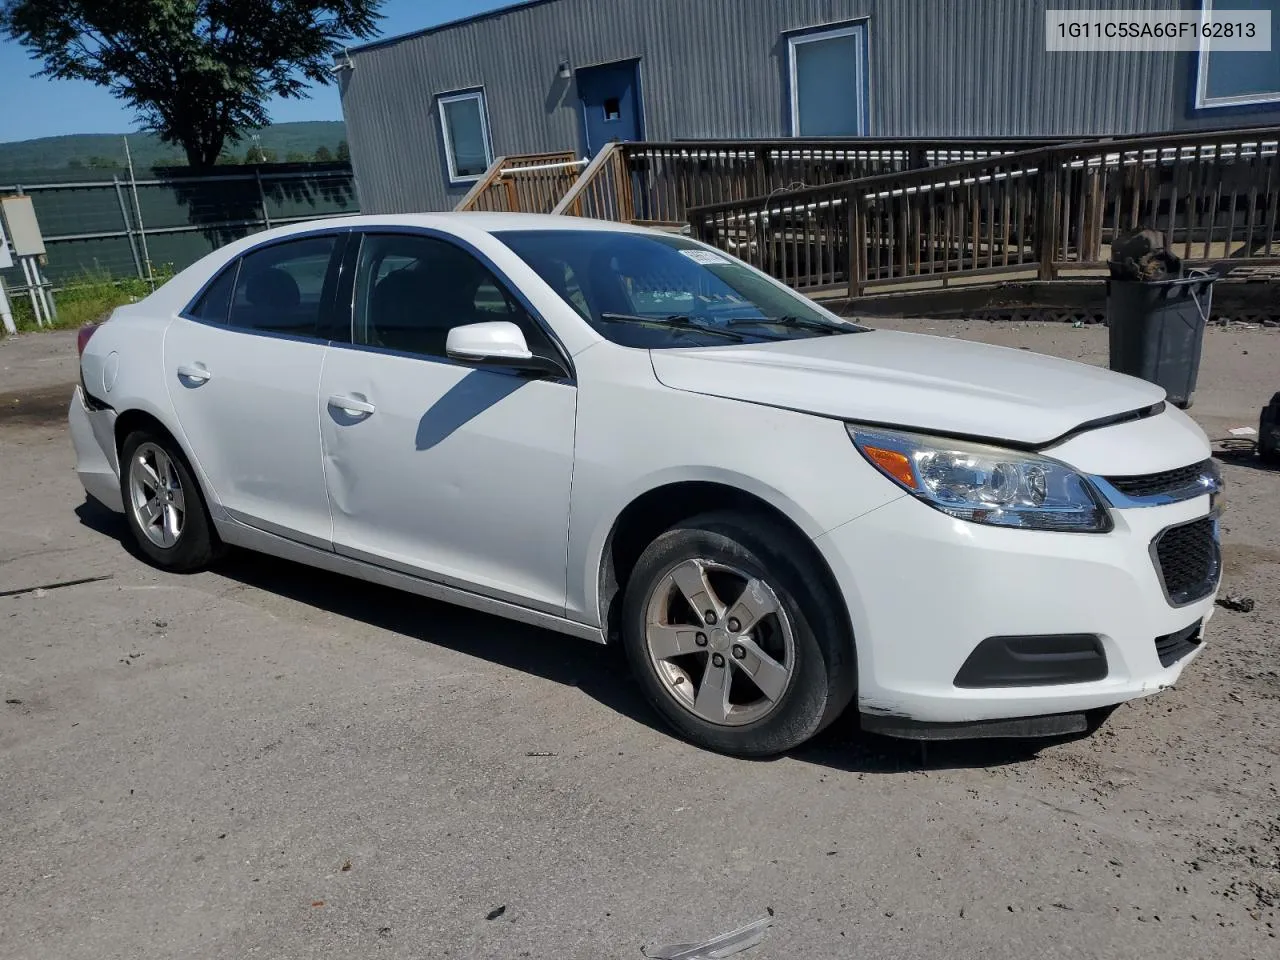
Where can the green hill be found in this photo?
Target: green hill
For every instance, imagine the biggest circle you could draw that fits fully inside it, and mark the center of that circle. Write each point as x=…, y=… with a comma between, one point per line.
x=107, y=149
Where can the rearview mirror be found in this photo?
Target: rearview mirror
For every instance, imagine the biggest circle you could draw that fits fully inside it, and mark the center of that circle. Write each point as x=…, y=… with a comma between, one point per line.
x=496, y=341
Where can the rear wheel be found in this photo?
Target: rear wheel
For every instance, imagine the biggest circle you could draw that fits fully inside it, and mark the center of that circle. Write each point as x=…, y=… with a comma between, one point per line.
x=733, y=637
x=163, y=504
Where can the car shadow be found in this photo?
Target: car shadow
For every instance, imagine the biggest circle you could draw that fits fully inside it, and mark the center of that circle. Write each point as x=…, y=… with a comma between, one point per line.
x=844, y=746
x=599, y=672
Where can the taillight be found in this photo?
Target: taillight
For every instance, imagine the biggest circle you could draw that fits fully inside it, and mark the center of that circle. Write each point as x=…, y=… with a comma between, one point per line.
x=83, y=335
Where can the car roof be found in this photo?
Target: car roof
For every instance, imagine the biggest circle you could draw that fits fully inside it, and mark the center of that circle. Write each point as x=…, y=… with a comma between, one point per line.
x=467, y=220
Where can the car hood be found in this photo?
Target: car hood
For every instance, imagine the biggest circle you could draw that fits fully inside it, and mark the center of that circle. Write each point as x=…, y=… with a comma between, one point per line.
x=912, y=380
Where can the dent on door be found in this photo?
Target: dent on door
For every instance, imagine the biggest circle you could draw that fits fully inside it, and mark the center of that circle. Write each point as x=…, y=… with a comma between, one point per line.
x=459, y=474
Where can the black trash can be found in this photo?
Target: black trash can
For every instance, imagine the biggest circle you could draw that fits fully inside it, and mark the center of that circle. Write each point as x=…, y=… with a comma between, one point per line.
x=1157, y=330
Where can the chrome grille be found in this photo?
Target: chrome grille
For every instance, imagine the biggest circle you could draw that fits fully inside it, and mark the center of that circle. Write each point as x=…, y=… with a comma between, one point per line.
x=1189, y=560
x=1165, y=482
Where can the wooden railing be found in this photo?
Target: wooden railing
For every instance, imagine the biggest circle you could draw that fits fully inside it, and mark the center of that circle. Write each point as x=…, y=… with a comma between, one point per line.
x=657, y=183
x=1045, y=212
x=531, y=183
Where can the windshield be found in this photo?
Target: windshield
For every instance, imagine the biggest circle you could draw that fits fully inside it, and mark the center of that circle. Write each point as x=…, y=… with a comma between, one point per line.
x=653, y=291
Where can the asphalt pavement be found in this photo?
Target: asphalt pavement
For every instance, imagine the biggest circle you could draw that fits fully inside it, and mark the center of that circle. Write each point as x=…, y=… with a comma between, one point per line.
x=267, y=760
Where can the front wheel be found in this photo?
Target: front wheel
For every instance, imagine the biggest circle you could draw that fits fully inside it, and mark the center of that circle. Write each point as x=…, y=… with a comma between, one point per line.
x=163, y=504
x=733, y=637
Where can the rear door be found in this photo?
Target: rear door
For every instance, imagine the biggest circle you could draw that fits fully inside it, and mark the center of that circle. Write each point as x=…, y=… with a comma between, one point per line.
x=243, y=367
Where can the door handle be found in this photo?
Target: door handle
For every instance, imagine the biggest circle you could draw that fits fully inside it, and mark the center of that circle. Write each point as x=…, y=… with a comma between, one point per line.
x=352, y=406
x=195, y=372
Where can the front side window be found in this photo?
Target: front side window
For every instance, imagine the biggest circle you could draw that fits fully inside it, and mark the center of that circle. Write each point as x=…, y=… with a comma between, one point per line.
x=282, y=288
x=652, y=290
x=411, y=290
x=466, y=135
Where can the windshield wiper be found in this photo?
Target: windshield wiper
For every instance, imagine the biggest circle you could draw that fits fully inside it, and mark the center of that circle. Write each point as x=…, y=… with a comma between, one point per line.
x=676, y=321
x=791, y=321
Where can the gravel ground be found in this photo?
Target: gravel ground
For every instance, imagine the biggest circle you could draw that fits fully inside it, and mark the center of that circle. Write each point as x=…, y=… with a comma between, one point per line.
x=265, y=760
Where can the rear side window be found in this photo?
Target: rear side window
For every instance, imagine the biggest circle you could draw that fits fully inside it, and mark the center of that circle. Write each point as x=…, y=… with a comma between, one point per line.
x=215, y=303
x=282, y=288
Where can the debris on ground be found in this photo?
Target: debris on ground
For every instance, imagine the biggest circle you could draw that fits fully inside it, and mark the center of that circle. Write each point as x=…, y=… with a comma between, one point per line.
x=1238, y=604
x=496, y=912
x=724, y=945
x=1243, y=432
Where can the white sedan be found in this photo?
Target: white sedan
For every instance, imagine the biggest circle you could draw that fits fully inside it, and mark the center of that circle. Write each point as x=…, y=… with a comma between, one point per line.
x=629, y=436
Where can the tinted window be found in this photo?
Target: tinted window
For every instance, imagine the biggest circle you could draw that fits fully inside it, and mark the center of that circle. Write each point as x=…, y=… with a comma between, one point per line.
x=281, y=288
x=630, y=286
x=214, y=303
x=411, y=290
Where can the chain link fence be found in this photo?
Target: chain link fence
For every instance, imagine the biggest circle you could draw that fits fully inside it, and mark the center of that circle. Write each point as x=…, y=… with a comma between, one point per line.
x=100, y=223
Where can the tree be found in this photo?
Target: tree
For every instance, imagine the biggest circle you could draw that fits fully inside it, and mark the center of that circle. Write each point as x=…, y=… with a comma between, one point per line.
x=197, y=72
x=323, y=155
x=75, y=163
x=344, y=152
x=296, y=156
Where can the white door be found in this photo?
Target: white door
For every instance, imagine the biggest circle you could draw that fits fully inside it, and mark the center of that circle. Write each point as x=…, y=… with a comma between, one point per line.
x=441, y=469
x=243, y=373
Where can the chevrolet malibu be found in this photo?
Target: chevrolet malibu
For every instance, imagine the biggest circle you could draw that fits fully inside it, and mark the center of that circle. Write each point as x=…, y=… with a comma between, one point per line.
x=632, y=437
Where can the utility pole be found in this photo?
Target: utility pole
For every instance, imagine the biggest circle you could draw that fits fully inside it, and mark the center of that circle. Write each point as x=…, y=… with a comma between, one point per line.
x=137, y=210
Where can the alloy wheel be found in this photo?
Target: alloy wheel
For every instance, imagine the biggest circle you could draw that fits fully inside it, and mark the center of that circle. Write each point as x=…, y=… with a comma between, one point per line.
x=720, y=642
x=156, y=496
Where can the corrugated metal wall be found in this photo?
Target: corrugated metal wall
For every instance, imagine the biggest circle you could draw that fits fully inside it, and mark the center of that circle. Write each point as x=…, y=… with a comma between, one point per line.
x=716, y=68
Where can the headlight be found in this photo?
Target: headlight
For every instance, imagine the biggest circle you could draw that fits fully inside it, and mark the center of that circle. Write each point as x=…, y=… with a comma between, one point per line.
x=971, y=481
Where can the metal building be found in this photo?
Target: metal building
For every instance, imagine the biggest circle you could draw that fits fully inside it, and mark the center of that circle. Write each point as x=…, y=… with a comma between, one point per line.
x=426, y=112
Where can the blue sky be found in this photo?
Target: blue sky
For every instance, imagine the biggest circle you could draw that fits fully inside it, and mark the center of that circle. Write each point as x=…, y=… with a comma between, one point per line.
x=54, y=107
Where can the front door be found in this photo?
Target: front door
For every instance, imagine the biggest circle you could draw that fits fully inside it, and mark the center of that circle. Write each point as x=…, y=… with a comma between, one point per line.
x=242, y=371
x=610, y=101
x=440, y=469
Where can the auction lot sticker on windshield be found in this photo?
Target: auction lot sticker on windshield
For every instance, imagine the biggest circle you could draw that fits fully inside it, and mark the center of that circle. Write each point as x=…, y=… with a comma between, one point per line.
x=705, y=257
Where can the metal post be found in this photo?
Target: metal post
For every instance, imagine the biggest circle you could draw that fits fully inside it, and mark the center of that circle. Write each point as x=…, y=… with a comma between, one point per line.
x=46, y=292
x=31, y=291
x=128, y=227
x=6, y=315
x=137, y=212
x=262, y=196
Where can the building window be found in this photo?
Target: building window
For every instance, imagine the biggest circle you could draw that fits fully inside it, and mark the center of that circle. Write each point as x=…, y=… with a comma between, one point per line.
x=1238, y=78
x=828, y=82
x=465, y=129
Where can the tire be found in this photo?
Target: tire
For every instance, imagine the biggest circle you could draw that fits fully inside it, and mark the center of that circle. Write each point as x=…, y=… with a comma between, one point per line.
x=180, y=537
x=800, y=647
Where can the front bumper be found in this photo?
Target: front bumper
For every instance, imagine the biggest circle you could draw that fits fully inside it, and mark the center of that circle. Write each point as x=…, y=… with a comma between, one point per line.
x=93, y=437
x=923, y=590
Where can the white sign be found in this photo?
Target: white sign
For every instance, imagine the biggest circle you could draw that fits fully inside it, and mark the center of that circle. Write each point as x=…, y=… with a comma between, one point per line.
x=23, y=226
x=1077, y=31
x=705, y=257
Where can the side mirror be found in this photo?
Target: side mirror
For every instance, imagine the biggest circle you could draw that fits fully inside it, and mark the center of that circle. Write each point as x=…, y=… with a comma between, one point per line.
x=497, y=343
